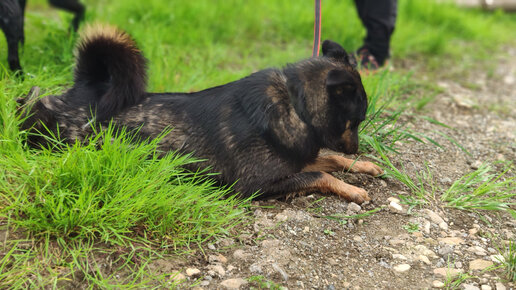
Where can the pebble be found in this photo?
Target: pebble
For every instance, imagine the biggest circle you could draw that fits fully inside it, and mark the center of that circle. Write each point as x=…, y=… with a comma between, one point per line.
x=234, y=283
x=395, y=207
x=211, y=247
x=479, y=264
x=255, y=268
x=240, y=255
x=447, y=272
x=497, y=258
x=177, y=277
x=434, y=217
x=451, y=240
x=485, y=287
x=437, y=284
x=192, y=272
x=424, y=259
x=445, y=251
x=354, y=208
x=399, y=257
x=218, y=269
x=469, y=287
x=401, y=268
x=500, y=286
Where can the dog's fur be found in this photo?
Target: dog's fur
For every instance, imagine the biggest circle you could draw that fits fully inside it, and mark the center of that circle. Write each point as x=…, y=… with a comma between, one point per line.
x=12, y=21
x=264, y=131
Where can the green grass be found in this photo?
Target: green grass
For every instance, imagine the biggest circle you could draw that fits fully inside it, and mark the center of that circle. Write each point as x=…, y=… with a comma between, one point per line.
x=62, y=210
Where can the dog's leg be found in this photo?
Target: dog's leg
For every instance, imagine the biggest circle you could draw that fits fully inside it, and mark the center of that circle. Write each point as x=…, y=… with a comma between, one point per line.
x=23, y=4
x=73, y=6
x=12, y=53
x=332, y=163
x=318, y=181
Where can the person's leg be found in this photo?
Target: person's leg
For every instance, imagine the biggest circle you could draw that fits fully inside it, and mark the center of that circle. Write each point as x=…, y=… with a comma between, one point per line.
x=379, y=18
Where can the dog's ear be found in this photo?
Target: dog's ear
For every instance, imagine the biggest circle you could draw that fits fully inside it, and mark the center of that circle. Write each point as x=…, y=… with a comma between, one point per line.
x=332, y=49
x=340, y=83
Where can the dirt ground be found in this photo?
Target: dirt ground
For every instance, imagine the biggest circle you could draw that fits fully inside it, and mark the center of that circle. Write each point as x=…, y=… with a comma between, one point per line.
x=297, y=244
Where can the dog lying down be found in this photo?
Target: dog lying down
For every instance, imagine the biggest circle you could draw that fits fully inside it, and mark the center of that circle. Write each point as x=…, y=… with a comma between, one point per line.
x=264, y=131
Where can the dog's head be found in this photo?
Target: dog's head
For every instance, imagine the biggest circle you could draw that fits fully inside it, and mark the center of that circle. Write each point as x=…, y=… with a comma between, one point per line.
x=347, y=100
x=328, y=94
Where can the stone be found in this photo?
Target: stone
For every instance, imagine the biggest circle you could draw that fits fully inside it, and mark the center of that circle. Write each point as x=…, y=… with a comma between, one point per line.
x=485, y=287
x=445, y=272
x=497, y=258
x=424, y=259
x=218, y=269
x=445, y=251
x=240, y=255
x=395, y=207
x=479, y=264
x=443, y=226
x=401, y=268
x=469, y=287
x=354, y=208
x=437, y=284
x=423, y=250
x=177, y=277
x=451, y=240
x=233, y=284
x=255, y=268
x=192, y=272
x=217, y=259
x=434, y=217
x=500, y=286
x=399, y=257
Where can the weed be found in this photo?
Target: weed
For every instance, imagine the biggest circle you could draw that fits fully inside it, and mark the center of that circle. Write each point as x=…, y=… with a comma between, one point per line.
x=507, y=258
x=263, y=283
x=411, y=227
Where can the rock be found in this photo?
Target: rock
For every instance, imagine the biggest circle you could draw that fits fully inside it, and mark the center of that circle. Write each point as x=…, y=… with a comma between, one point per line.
x=469, y=287
x=476, y=164
x=479, y=264
x=240, y=255
x=217, y=259
x=426, y=227
x=424, y=259
x=464, y=101
x=434, y=217
x=399, y=257
x=358, y=239
x=451, y=240
x=218, y=269
x=393, y=199
x=234, y=283
x=479, y=251
x=401, y=268
x=437, y=284
x=445, y=251
x=445, y=272
x=485, y=287
x=177, y=277
x=443, y=226
x=423, y=250
x=500, y=286
x=354, y=208
x=256, y=268
x=192, y=272
x=282, y=272
x=497, y=258
x=473, y=231
x=211, y=246
x=395, y=207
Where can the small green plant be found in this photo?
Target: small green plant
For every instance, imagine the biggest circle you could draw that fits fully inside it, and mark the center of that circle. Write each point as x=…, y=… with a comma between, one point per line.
x=263, y=283
x=454, y=282
x=411, y=227
x=482, y=189
x=507, y=260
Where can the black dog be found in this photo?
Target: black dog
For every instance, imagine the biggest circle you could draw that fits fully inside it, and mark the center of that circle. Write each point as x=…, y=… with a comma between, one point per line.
x=264, y=131
x=12, y=21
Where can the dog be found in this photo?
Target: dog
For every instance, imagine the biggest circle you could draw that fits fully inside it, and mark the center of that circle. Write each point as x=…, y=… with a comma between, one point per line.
x=12, y=13
x=262, y=133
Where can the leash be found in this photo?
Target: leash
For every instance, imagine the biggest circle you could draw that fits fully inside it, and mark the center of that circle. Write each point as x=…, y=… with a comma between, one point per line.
x=317, y=29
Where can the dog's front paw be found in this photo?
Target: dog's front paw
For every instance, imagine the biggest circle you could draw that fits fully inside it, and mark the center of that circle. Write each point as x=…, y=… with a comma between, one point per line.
x=367, y=167
x=359, y=196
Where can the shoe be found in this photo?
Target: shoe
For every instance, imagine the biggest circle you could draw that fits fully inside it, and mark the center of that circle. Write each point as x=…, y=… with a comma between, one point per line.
x=366, y=60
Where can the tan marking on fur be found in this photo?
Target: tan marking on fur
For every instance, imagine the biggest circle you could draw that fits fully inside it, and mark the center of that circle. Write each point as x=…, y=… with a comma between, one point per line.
x=333, y=163
x=329, y=184
x=98, y=30
x=347, y=136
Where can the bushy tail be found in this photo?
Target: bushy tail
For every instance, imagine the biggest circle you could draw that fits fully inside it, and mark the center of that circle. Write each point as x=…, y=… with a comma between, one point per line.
x=110, y=72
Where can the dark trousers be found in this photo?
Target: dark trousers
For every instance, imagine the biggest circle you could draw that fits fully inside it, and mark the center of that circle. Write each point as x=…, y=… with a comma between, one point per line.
x=379, y=19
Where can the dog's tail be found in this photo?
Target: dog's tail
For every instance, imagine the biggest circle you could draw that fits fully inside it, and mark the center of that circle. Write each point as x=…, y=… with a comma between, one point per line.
x=110, y=72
